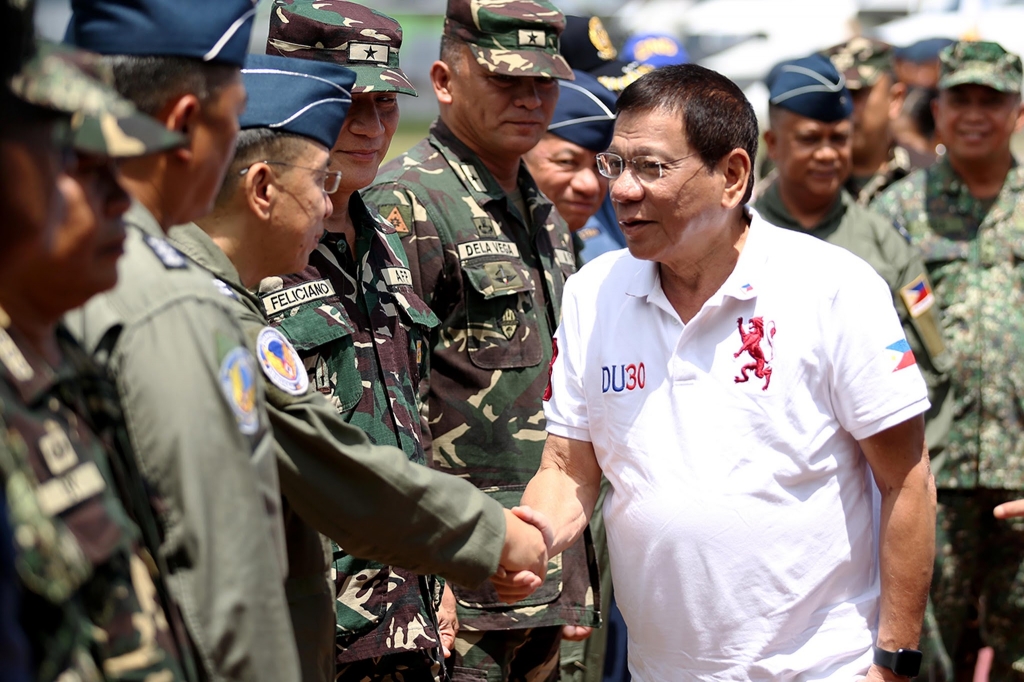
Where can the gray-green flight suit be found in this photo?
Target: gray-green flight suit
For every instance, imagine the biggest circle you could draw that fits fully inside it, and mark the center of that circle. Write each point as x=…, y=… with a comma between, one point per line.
x=195, y=411
x=371, y=500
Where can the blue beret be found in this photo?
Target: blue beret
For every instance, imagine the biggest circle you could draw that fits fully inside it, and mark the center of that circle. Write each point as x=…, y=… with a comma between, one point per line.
x=810, y=87
x=585, y=113
x=655, y=49
x=214, y=31
x=297, y=96
x=923, y=51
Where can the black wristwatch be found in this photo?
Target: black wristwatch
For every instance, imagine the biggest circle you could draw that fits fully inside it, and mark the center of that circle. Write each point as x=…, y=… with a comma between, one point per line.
x=904, y=662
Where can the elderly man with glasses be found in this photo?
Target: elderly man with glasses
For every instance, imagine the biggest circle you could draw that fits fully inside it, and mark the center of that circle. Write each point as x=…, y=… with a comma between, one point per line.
x=734, y=381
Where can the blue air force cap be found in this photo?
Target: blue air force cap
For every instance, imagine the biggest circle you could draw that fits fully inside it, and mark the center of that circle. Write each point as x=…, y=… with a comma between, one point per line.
x=297, y=96
x=923, y=51
x=213, y=31
x=585, y=113
x=810, y=87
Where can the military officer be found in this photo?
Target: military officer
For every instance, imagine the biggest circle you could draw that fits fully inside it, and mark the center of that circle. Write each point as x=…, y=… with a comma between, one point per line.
x=371, y=500
x=810, y=142
x=966, y=215
x=366, y=356
x=490, y=255
x=95, y=606
x=565, y=168
x=194, y=406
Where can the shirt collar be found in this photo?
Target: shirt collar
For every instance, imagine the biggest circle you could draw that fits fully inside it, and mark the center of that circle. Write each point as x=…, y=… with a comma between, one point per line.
x=742, y=283
x=192, y=241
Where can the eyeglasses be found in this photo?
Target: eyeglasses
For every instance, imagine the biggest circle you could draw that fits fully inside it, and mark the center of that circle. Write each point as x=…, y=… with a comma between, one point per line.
x=647, y=168
x=330, y=180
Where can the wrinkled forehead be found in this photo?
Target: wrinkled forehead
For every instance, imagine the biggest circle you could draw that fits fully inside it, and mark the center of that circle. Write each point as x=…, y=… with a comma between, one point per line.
x=649, y=131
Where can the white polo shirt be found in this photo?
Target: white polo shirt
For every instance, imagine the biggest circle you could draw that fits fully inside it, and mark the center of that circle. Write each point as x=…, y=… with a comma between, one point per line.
x=740, y=517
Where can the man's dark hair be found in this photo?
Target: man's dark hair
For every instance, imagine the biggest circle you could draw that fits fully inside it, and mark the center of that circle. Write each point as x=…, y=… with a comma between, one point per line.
x=16, y=31
x=716, y=116
x=254, y=145
x=451, y=49
x=151, y=82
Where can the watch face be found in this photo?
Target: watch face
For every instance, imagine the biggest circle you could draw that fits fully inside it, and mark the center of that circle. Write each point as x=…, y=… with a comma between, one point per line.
x=907, y=662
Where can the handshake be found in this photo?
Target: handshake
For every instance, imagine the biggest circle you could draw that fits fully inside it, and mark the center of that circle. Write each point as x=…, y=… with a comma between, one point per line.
x=524, y=557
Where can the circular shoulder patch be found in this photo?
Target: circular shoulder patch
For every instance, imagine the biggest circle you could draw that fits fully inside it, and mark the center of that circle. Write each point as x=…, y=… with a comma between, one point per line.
x=280, y=362
x=238, y=382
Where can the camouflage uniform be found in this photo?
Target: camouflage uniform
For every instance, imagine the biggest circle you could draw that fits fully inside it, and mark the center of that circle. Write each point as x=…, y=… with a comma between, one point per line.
x=874, y=239
x=363, y=345
x=494, y=277
x=78, y=551
x=369, y=499
x=973, y=251
x=362, y=341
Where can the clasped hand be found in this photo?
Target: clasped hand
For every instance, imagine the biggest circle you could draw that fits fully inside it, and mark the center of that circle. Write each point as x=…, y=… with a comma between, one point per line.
x=524, y=557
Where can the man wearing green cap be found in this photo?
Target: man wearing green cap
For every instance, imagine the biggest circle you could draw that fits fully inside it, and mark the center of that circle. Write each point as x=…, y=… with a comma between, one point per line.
x=368, y=354
x=96, y=606
x=966, y=215
x=877, y=161
x=489, y=254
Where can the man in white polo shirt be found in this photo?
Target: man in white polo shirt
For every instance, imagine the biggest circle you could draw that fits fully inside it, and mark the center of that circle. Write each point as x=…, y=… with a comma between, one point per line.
x=734, y=381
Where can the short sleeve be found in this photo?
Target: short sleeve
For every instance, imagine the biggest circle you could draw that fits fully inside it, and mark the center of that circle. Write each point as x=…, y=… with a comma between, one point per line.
x=565, y=404
x=875, y=380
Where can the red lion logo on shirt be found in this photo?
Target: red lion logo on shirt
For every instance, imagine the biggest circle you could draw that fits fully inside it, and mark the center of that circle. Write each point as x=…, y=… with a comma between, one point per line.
x=752, y=345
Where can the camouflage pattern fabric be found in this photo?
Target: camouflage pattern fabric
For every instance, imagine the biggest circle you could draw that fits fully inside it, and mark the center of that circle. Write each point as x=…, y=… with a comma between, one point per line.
x=510, y=37
x=91, y=603
x=360, y=38
x=978, y=563
x=899, y=166
x=872, y=238
x=360, y=330
x=861, y=60
x=494, y=277
x=425, y=665
x=103, y=122
x=529, y=655
x=979, y=63
x=973, y=250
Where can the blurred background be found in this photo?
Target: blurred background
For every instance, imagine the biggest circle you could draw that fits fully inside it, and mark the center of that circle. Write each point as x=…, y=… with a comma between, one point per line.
x=742, y=39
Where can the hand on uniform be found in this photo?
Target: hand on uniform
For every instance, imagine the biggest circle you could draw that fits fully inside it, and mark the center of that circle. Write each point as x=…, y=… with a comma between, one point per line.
x=1009, y=510
x=524, y=559
x=447, y=620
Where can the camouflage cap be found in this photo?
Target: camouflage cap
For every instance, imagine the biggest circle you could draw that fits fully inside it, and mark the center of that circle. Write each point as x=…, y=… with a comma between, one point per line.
x=979, y=63
x=79, y=84
x=362, y=39
x=861, y=60
x=510, y=37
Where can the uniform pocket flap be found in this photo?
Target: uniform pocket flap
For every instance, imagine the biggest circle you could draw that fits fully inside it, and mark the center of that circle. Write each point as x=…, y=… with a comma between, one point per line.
x=497, y=278
x=314, y=325
x=414, y=310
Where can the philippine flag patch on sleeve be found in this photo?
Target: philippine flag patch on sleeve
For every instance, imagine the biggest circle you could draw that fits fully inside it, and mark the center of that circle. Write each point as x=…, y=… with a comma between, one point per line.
x=900, y=355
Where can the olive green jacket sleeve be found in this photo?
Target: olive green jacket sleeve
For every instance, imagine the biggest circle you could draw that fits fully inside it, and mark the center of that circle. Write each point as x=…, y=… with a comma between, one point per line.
x=370, y=499
x=206, y=453
x=374, y=502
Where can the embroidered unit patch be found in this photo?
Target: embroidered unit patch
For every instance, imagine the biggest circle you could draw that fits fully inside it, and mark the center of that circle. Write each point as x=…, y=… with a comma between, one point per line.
x=238, y=382
x=280, y=362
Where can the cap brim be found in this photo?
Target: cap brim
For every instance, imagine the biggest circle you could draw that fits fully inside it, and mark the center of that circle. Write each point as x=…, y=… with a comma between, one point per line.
x=122, y=138
x=523, y=62
x=378, y=79
x=972, y=77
